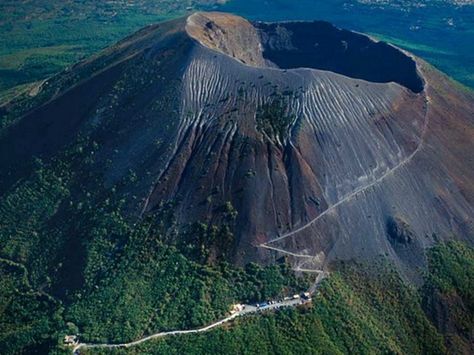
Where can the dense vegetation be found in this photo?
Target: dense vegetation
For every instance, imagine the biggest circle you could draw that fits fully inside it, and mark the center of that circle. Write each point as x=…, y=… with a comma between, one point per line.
x=355, y=312
x=29, y=319
x=448, y=294
x=359, y=309
x=156, y=288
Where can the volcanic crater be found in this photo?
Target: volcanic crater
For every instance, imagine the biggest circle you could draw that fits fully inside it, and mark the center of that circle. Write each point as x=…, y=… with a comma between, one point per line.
x=319, y=138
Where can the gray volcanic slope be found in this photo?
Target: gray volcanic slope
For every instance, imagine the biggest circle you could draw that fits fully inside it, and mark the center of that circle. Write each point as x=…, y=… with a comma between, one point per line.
x=353, y=161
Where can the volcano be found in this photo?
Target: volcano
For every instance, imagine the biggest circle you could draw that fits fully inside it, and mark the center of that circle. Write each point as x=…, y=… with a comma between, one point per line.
x=328, y=144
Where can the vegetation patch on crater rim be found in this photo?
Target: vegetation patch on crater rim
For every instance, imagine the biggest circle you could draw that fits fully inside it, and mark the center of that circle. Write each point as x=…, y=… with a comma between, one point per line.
x=273, y=119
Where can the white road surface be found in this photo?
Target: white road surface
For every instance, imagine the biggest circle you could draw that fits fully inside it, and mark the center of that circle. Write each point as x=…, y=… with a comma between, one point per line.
x=249, y=309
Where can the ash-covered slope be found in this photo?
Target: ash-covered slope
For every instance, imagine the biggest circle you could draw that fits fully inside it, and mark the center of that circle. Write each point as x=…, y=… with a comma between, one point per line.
x=327, y=144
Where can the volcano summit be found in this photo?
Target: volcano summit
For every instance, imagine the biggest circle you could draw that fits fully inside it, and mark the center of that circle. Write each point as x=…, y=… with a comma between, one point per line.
x=326, y=144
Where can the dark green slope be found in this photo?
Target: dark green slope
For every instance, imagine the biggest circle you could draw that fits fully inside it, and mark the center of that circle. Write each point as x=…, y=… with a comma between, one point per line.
x=130, y=85
x=358, y=311
x=448, y=295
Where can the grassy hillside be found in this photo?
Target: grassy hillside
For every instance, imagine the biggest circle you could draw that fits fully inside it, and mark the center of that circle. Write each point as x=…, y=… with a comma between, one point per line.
x=29, y=318
x=448, y=295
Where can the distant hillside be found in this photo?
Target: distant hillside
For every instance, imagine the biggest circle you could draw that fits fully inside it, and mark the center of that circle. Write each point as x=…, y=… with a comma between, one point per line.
x=41, y=38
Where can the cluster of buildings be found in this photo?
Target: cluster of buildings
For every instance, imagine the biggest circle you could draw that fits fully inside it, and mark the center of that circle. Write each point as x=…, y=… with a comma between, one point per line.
x=287, y=301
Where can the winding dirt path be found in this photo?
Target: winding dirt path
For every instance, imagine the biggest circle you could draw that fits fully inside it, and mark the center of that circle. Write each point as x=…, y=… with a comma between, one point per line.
x=154, y=336
x=246, y=311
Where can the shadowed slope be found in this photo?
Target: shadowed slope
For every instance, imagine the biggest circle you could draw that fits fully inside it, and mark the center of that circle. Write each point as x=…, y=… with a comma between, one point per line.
x=320, y=45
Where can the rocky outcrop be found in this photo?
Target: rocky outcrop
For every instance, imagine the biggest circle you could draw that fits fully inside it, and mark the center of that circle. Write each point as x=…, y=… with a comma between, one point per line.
x=399, y=231
x=228, y=34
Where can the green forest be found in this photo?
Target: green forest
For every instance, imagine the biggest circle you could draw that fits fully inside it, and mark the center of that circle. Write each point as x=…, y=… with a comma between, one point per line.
x=359, y=309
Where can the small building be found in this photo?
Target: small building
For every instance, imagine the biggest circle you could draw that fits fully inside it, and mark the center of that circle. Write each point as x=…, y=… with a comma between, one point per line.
x=70, y=340
x=236, y=308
